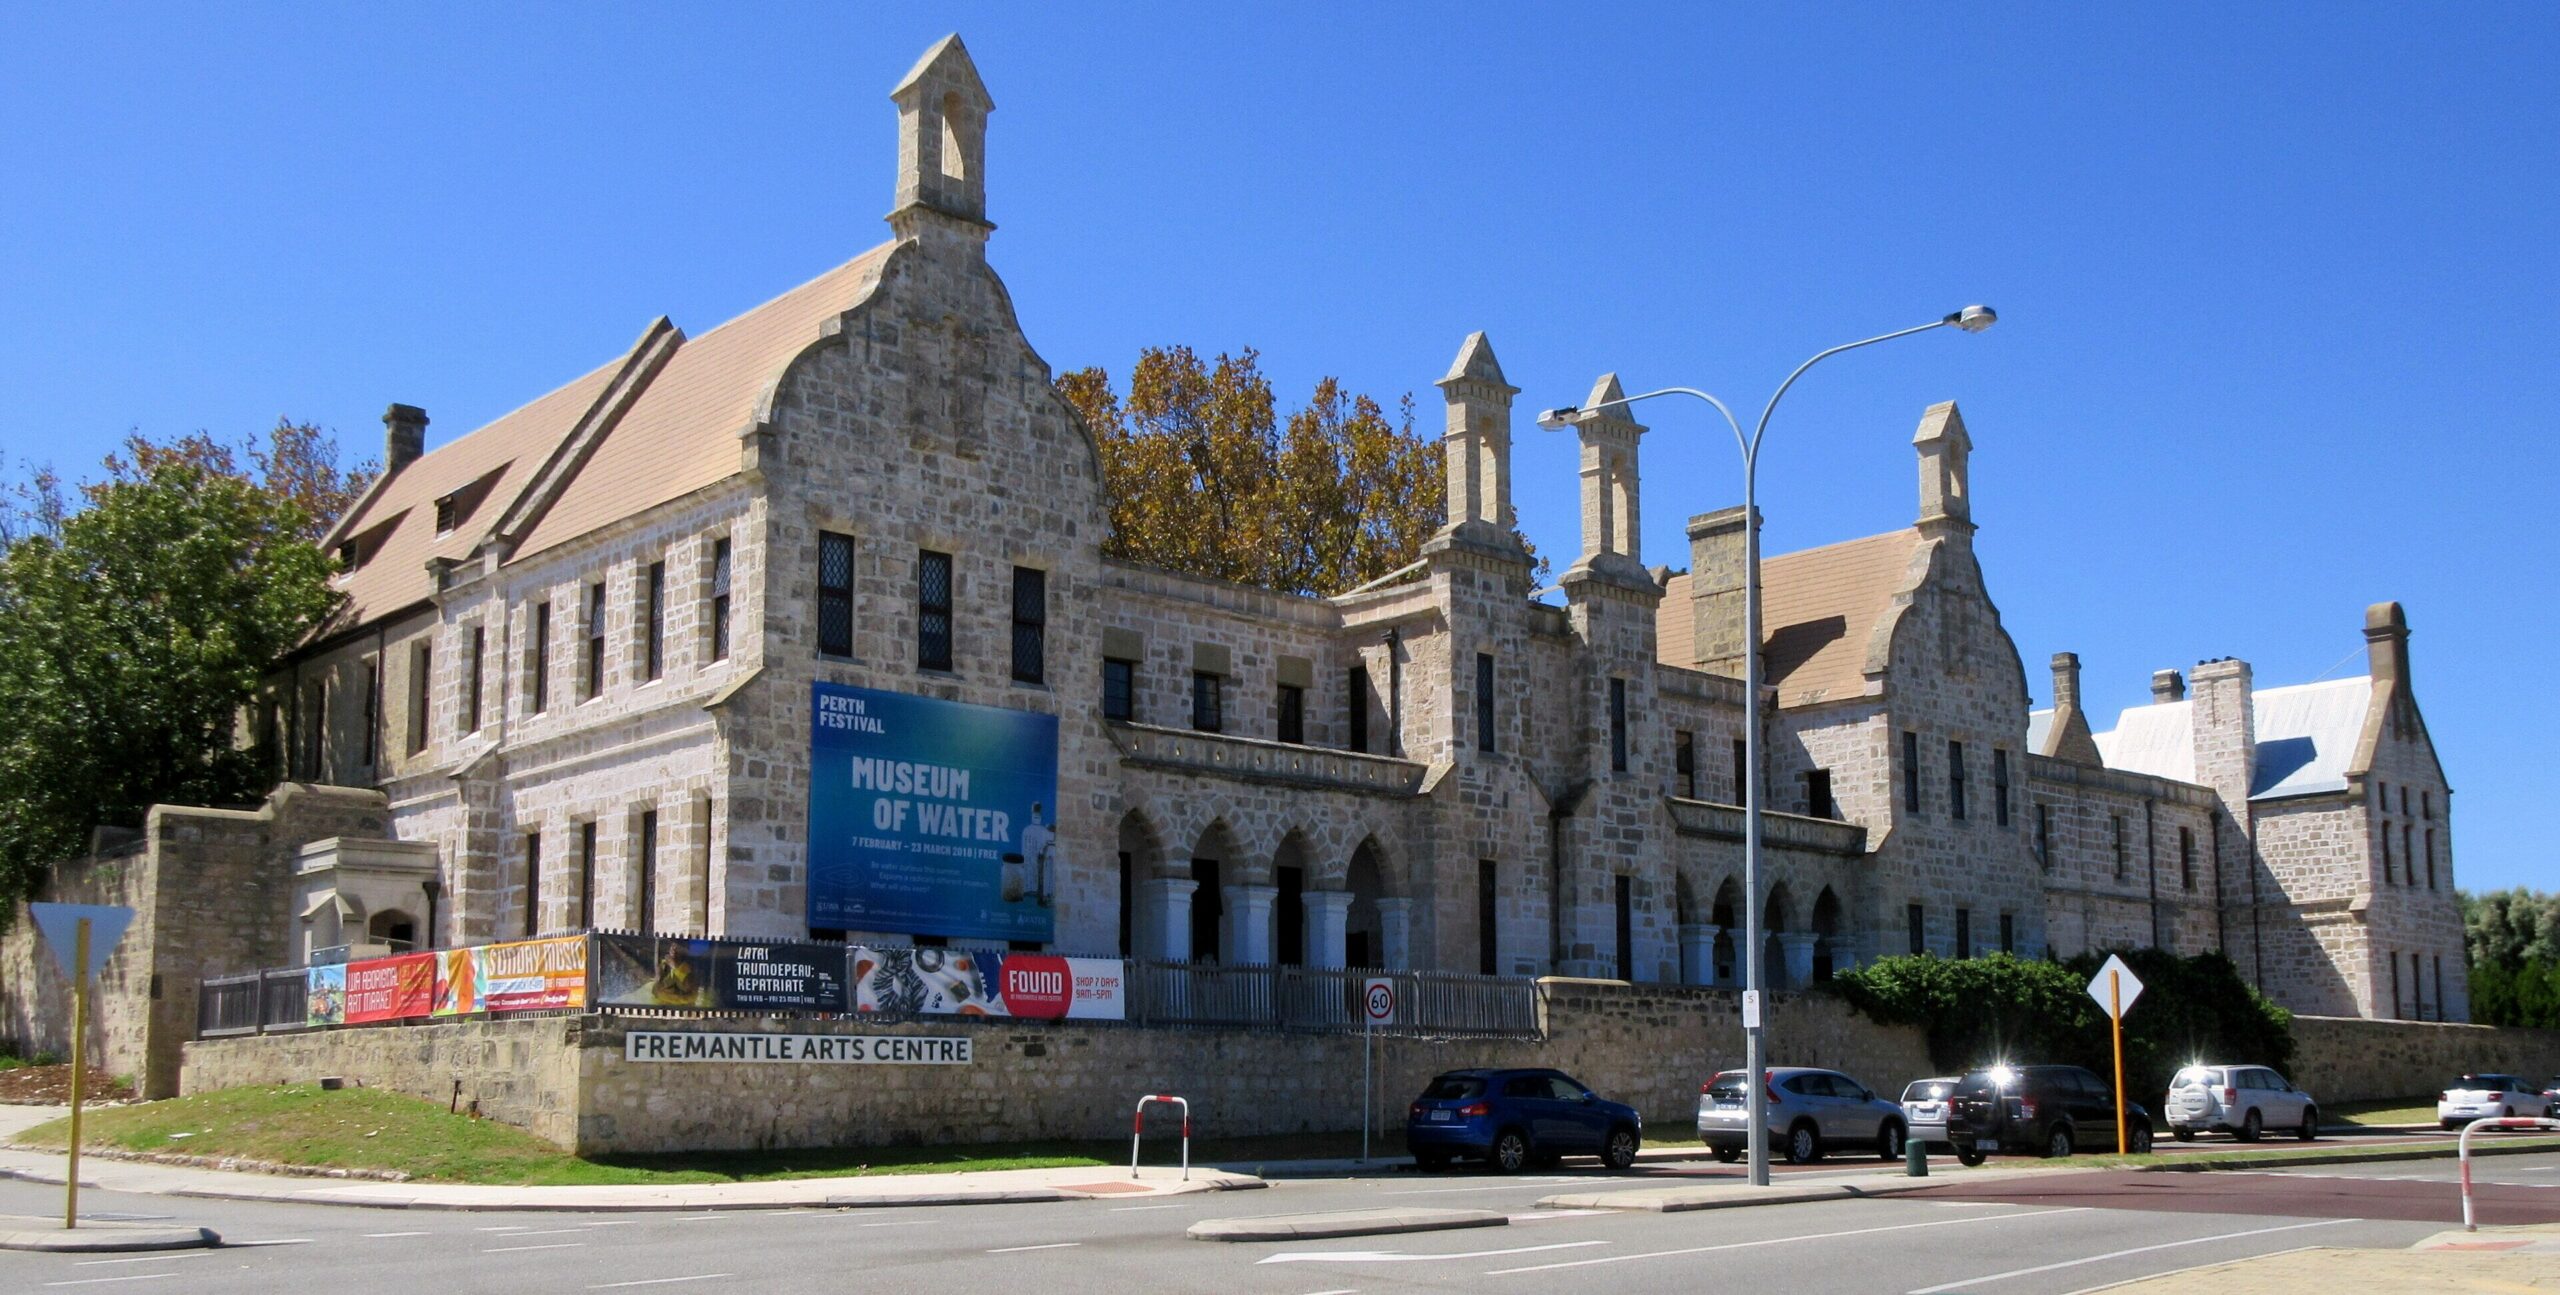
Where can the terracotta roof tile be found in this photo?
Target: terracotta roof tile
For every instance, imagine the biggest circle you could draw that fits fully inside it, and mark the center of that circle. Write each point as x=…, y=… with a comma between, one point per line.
x=682, y=432
x=1818, y=609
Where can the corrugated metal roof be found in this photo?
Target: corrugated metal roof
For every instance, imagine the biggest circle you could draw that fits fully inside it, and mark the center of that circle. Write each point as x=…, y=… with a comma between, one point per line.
x=1818, y=609
x=2158, y=739
x=2039, y=723
x=2306, y=735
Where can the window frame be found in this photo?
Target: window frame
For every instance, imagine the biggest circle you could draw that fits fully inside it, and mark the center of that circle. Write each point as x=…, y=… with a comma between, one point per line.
x=653, y=622
x=596, y=656
x=1128, y=693
x=1955, y=780
x=717, y=583
x=1030, y=626
x=835, y=598
x=1911, y=771
x=1486, y=740
x=538, y=684
x=1208, y=701
x=1292, y=716
x=1618, y=755
x=935, y=623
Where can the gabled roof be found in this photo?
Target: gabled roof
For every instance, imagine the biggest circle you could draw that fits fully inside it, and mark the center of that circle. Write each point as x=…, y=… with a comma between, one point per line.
x=2158, y=739
x=1818, y=610
x=2039, y=724
x=2306, y=737
x=682, y=433
x=395, y=526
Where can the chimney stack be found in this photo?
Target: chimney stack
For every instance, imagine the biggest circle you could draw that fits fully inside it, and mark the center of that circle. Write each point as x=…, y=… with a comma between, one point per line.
x=2168, y=685
x=2386, y=644
x=404, y=437
x=2066, y=681
x=2068, y=737
x=1717, y=559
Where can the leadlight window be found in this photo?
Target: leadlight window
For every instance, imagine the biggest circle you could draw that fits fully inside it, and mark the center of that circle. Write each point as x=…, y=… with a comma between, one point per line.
x=933, y=610
x=1030, y=624
x=835, y=594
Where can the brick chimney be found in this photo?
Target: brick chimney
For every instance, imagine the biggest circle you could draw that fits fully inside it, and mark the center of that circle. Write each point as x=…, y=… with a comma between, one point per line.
x=1716, y=568
x=2167, y=685
x=2068, y=737
x=404, y=437
x=2386, y=644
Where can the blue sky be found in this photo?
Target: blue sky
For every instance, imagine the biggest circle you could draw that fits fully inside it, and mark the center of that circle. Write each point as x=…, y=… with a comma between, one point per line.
x=2278, y=283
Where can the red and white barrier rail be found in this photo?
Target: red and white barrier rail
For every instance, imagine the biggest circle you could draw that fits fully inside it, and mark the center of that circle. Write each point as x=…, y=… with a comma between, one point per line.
x=1138, y=1125
x=2463, y=1149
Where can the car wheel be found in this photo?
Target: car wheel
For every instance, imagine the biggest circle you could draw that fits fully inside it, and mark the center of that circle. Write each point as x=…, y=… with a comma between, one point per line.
x=2138, y=1141
x=2249, y=1127
x=1804, y=1144
x=1620, y=1154
x=2310, y=1124
x=2449, y=1125
x=1970, y=1158
x=2183, y=1135
x=1510, y=1152
x=1889, y=1144
x=1727, y=1155
x=2057, y=1142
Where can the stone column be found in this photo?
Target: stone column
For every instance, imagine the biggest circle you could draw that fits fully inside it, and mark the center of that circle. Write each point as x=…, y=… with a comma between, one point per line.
x=1698, y=952
x=1249, y=924
x=1328, y=928
x=1395, y=936
x=1168, y=925
x=1796, y=948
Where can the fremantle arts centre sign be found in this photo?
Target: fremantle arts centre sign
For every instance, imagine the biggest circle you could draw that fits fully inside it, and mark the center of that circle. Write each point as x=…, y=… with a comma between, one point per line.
x=931, y=817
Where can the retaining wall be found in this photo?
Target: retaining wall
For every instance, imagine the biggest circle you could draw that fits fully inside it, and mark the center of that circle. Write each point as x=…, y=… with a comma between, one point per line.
x=2348, y=1059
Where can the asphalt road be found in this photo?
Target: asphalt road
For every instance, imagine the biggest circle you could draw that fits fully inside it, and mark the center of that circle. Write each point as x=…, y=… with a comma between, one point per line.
x=2068, y=1233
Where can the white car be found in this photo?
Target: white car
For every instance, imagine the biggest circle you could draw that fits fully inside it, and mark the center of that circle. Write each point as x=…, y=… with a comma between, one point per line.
x=2486, y=1097
x=1924, y=1109
x=2243, y=1101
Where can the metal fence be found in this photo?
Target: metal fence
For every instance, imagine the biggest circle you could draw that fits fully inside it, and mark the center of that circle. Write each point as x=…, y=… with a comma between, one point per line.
x=257, y=1002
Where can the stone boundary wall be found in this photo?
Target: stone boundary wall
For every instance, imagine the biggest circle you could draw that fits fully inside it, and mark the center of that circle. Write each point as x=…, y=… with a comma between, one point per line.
x=565, y=1078
x=2349, y=1059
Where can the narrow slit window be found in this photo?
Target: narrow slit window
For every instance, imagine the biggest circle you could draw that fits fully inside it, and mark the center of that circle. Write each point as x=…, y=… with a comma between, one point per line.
x=595, y=641
x=719, y=628
x=1030, y=625
x=653, y=614
x=835, y=594
x=933, y=610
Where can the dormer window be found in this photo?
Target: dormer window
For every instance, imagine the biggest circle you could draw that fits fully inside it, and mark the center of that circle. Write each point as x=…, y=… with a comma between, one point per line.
x=347, y=556
x=448, y=513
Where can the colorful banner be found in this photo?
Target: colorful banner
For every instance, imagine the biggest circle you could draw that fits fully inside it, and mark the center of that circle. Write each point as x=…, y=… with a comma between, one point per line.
x=931, y=817
x=518, y=977
x=973, y=982
x=718, y=975
x=326, y=994
x=391, y=989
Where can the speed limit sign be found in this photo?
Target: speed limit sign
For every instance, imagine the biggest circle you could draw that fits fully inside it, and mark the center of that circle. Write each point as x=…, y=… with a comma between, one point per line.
x=1378, y=1000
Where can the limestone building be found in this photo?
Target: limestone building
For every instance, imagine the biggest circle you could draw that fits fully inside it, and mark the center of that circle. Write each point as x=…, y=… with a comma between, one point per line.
x=581, y=646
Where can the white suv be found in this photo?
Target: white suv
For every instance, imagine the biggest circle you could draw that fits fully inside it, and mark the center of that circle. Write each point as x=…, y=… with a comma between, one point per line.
x=2243, y=1101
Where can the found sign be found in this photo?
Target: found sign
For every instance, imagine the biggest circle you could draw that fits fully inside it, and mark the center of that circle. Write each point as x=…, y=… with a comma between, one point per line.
x=60, y=924
x=1378, y=1000
x=2117, y=996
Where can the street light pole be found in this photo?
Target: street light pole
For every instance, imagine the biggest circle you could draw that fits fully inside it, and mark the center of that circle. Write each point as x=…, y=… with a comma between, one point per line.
x=1972, y=319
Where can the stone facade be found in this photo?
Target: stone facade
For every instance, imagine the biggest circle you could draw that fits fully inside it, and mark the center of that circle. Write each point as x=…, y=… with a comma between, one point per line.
x=2358, y=1059
x=1478, y=781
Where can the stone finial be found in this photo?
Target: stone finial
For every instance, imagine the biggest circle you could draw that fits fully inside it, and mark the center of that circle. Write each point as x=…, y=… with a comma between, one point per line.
x=404, y=437
x=942, y=139
x=1476, y=444
x=1946, y=497
x=1610, y=485
x=2168, y=685
x=2386, y=644
x=2068, y=737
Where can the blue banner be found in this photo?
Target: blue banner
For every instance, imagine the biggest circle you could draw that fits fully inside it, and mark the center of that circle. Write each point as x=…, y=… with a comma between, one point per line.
x=931, y=817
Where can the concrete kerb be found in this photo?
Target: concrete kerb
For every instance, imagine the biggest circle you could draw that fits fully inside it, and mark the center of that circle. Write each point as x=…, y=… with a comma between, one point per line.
x=1341, y=1223
x=21, y=1233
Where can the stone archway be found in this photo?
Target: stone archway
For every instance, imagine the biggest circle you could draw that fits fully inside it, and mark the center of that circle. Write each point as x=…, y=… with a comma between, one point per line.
x=1373, y=927
x=1726, y=916
x=1830, y=955
x=1214, y=861
x=1138, y=882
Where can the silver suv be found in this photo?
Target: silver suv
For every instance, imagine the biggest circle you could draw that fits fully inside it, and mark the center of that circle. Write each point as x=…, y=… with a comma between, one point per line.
x=2243, y=1101
x=1810, y=1112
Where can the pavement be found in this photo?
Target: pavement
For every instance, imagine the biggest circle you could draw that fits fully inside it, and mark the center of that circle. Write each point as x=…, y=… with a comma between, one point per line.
x=2492, y=1259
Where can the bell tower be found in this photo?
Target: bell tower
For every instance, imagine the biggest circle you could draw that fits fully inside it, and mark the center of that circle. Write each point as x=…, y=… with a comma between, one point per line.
x=942, y=142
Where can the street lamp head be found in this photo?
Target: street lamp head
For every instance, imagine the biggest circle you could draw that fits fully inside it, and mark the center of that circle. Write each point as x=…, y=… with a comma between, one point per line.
x=1973, y=319
x=1556, y=420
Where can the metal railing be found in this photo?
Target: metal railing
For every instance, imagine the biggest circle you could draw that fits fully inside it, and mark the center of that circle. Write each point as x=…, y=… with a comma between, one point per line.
x=256, y=1002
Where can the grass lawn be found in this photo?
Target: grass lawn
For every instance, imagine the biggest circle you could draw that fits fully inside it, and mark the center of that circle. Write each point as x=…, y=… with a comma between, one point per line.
x=2399, y=1110
x=363, y=1128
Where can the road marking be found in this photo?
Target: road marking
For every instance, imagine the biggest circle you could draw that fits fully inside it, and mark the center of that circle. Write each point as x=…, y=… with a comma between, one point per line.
x=911, y=1223
x=1779, y=1241
x=284, y=1241
x=1130, y=1209
x=610, y=1223
x=1054, y=1245
x=2119, y=1254
x=131, y=1277
x=504, y=1227
x=550, y=1245
x=1405, y=1257
x=143, y=1259
x=2175, y=1272
x=546, y=1232
x=377, y=1236
x=658, y=1281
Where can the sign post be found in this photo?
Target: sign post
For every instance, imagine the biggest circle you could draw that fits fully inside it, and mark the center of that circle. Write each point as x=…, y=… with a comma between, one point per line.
x=2115, y=987
x=1377, y=1007
x=81, y=935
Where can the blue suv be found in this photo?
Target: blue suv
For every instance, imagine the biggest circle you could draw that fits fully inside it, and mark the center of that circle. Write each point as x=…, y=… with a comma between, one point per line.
x=1513, y=1118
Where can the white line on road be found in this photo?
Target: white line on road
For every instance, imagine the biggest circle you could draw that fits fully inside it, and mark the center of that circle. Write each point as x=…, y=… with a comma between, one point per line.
x=2119, y=1254
x=131, y=1277
x=1779, y=1241
x=377, y=1236
x=143, y=1259
x=696, y=1218
x=610, y=1223
x=2178, y=1272
x=1054, y=1245
x=911, y=1223
x=1405, y=1257
x=504, y=1227
x=1131, y=1209
x=282, y=1241
x=658, y=1281
x=550, y=1245
x=545, y=1232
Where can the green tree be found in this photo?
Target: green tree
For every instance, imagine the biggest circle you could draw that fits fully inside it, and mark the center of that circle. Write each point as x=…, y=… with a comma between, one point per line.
x=1206, y=476
x=135, y=627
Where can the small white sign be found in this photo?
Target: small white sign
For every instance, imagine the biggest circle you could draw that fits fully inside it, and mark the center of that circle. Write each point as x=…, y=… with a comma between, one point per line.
x=1751, y=1009
x=1378, y=1000
x=2127, y=987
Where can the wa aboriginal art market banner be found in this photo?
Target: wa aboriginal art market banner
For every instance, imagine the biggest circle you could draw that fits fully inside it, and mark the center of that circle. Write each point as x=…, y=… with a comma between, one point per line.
x=969, y=982
x=390, y=989
x=516, y=977
x=931, y=817
x=717, y=975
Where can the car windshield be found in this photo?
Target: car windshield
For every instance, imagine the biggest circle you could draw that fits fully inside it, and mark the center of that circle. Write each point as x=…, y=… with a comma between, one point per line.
x=1728, y=1087
x=2195, y=1075
x=1453, y=1088
x=1926, y=1090
x=1985, y=1083
x=2482, y=1083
